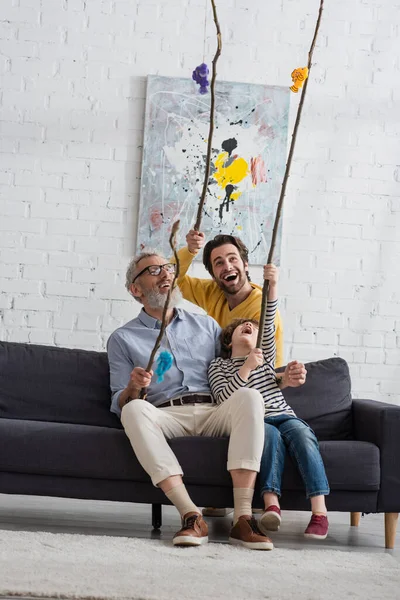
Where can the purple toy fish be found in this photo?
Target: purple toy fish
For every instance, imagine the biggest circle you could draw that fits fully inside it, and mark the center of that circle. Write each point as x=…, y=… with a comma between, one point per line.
x=200, y=75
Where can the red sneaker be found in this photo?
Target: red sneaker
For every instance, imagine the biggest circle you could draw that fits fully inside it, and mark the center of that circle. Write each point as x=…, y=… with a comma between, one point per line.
x=271, y=519
x=317, y=528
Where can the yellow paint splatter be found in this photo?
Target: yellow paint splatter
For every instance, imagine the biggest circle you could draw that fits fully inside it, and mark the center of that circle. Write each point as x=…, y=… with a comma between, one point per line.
x=232, y=174
x=239, y=227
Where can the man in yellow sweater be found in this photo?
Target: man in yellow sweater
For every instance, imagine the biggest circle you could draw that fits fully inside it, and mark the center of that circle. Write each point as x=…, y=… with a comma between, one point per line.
x=229, y=294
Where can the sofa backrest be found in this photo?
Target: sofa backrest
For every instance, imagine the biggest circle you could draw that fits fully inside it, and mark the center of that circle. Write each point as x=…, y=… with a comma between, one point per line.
x=46, y=383
x=324, y=401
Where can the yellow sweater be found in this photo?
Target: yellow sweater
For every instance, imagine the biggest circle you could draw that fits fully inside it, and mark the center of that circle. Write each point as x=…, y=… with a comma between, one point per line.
x=206, y=294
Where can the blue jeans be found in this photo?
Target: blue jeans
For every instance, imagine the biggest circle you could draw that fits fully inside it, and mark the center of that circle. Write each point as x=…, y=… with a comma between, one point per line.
x=287, y=431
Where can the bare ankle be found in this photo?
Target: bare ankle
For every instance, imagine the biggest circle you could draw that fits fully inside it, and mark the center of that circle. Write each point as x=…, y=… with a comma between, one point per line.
x=318, y=506
x=270, y=499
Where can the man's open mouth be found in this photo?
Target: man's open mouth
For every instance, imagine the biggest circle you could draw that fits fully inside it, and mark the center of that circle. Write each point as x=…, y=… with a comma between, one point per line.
x=230, y=277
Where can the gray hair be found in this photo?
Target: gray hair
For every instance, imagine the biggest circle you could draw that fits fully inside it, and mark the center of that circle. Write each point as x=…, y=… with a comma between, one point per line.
x=132, y=269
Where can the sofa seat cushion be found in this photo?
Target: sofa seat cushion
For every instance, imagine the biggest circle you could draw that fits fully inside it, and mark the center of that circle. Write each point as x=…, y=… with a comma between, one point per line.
x=42, y=448
x=349, y=465
x=45, y=448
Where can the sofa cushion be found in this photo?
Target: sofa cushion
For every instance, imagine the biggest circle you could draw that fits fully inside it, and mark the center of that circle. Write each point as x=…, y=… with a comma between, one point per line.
x=69, y=450
x=349, y=465
x=46, y=383
x=324, y=401
x=35, y=447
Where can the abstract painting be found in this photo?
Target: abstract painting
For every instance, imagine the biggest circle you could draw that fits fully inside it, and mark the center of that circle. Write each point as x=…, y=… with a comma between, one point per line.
x=247, y=162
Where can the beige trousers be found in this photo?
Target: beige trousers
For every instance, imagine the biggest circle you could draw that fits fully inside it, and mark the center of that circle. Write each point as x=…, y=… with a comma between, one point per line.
x=241, y=417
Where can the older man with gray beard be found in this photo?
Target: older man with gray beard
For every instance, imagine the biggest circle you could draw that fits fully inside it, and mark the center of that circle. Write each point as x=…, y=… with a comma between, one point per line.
x=182, y=405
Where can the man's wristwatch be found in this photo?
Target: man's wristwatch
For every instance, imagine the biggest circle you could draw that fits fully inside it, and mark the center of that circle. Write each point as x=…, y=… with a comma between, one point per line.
x=278, y=380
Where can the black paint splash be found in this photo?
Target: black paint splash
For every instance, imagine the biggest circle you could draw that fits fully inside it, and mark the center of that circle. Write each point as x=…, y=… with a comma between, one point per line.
x=229, y=145
x=227, y=200
x=256, y=246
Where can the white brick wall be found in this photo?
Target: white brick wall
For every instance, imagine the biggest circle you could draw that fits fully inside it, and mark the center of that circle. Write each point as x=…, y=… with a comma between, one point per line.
x=72, y=101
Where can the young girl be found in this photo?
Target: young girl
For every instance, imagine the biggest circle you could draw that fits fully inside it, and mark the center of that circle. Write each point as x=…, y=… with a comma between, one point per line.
x=243, y=365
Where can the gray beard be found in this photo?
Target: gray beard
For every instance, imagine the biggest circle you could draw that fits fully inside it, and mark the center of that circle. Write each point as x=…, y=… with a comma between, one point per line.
x=157, y=300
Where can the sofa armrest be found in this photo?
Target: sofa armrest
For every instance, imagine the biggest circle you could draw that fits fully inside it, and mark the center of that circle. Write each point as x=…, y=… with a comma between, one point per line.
x=379, y=423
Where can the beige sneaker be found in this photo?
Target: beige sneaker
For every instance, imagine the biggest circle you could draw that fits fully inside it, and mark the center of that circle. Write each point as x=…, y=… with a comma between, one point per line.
x=247, y=533
x=194, y=531
x=209, y=511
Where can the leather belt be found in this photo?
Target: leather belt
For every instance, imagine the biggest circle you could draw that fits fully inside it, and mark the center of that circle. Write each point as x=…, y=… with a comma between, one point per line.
x=188, y=399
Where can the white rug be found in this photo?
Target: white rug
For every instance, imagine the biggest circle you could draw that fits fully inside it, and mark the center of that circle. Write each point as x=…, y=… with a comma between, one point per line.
x=79, y=566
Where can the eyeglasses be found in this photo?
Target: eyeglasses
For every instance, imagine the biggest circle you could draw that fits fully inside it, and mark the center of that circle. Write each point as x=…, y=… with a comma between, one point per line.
x=156, y=270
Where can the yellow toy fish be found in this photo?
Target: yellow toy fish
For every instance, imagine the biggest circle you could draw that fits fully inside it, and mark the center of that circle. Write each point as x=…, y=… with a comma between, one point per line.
x=298, y=77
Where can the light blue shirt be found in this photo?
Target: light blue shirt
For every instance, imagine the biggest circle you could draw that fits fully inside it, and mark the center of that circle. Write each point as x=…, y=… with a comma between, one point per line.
x=192, y=339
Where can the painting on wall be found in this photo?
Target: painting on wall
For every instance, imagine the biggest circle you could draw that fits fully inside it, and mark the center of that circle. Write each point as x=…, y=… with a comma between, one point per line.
x=247, y=162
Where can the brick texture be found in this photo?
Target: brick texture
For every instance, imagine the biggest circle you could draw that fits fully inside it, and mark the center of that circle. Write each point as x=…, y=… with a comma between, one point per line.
x=71, y=117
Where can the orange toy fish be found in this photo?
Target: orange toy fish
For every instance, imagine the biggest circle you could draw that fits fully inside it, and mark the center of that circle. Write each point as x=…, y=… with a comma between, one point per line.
x=298, y=77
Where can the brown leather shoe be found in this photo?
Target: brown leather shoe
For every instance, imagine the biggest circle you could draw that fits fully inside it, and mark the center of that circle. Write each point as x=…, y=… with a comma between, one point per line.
x=194, y=531
x=247, y=533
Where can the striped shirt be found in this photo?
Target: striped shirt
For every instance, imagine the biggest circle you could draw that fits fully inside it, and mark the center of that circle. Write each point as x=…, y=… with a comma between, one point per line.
x=224, y=378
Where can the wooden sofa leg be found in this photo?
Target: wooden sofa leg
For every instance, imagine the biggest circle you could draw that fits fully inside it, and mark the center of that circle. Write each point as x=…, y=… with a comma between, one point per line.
x=156, y=515
x=390, y=529
x=355, y=519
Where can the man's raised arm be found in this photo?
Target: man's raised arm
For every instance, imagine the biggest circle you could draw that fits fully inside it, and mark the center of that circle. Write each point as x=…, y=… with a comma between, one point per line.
x=192, y=288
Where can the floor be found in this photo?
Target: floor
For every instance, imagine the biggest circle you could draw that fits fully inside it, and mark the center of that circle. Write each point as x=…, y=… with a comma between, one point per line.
x=58, y=515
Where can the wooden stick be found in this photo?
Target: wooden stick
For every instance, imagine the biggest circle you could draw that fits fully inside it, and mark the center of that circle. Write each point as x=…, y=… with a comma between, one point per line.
x=172, y=243
x=286, y=177
x=211, y=128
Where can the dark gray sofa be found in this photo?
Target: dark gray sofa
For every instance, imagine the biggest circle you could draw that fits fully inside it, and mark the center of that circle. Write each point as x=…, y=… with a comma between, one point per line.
x=58, y=438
